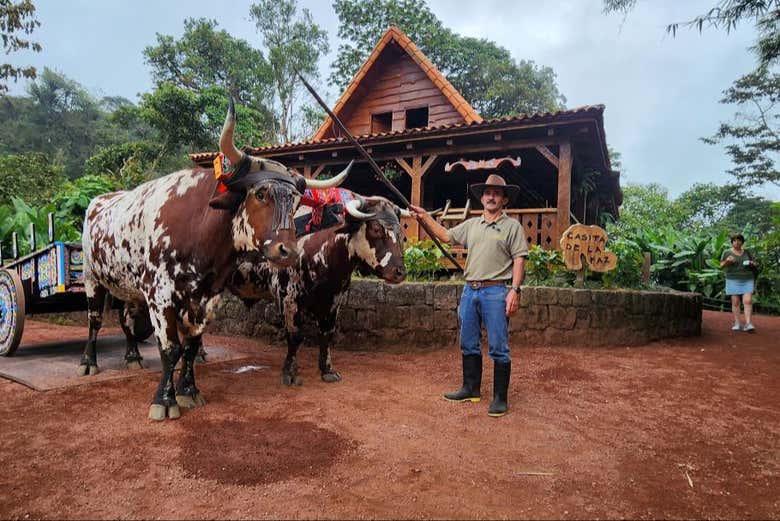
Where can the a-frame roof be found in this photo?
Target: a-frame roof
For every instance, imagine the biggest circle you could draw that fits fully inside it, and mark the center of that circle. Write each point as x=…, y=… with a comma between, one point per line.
x=437, y=78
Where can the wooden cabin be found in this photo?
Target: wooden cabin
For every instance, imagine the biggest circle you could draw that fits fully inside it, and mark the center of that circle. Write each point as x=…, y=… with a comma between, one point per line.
x=421, y=130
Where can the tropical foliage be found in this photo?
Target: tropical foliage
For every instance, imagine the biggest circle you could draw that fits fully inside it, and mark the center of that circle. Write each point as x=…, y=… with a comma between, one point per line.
x=68, y=204
x=686, y=237
x=422, y=260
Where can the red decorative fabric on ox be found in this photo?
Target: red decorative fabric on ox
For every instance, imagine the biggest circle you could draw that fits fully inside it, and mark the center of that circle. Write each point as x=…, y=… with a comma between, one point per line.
x=328, y=207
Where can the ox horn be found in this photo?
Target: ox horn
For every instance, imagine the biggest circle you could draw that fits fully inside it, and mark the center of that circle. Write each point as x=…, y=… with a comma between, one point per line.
x=405, y=213
x=333, y=181
x=226, y=145
x=353, y=209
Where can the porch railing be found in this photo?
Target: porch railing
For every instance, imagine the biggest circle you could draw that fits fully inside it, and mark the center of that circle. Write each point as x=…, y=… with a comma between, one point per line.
x=539, y=224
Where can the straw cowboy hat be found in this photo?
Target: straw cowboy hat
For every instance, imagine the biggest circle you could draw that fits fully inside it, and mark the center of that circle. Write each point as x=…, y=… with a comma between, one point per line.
x=495, y=181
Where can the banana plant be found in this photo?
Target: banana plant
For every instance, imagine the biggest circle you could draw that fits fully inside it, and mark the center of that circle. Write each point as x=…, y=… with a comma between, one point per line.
x=18, y=216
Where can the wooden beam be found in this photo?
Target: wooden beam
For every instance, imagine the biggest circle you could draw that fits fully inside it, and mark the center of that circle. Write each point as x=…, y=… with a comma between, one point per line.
x=564, y=188
x=416, y=171
x=317, y=171
x=446, y=208
x=416, y=198
x=407, y=168
x=548, y=154
x=500, y=146
x=428, y=163
x=466, y=209
x=417, y=190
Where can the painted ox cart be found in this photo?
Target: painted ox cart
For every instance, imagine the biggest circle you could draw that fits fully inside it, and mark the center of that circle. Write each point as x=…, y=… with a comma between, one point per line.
x=48, y=280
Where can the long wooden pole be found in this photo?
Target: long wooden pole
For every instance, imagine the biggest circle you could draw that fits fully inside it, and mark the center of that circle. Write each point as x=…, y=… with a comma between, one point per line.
x=377, y=171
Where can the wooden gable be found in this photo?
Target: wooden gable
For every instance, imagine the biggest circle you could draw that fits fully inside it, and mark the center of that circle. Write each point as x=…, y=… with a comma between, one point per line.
x=398, y=88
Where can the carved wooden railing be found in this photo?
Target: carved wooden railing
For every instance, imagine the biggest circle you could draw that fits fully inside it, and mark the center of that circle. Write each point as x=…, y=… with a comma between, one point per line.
x=539, y=224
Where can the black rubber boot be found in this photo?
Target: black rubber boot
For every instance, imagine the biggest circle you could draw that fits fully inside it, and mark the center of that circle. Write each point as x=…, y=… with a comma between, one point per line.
x=472, y=380
x=501, y=372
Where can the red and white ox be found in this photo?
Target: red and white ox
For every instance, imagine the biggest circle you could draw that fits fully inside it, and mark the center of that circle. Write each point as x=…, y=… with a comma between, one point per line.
x=171, y=245
x=370, y=240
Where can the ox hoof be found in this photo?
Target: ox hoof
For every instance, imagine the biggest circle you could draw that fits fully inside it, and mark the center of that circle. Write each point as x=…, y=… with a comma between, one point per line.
x=289, y=380
x=190, y=402
x=331, y=377
x=159, y=412
x=135, y=364
x=200, y=358
x=88, y=370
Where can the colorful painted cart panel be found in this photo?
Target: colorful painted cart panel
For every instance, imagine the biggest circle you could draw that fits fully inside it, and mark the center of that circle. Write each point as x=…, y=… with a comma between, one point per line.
x=48, y=280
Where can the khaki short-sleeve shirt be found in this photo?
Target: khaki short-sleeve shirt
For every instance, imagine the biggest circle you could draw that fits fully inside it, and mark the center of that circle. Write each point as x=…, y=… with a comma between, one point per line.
x=493, y=247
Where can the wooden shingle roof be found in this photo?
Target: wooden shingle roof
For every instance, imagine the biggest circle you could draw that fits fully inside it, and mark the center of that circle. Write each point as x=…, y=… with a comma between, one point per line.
x=437, y=78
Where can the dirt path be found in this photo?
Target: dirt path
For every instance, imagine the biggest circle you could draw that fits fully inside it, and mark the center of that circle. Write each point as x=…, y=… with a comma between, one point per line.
x=680, y=429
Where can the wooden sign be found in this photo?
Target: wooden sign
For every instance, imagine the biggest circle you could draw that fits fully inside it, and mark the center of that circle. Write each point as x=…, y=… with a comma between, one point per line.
x=589, y=242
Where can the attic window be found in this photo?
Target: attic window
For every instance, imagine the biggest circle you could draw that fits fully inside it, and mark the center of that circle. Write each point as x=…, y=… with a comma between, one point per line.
x=417, y=118
x=381, y=122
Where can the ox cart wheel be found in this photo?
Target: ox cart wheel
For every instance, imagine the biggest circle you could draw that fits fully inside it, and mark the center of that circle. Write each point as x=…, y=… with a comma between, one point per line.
x=11, y=311
x=143, y=328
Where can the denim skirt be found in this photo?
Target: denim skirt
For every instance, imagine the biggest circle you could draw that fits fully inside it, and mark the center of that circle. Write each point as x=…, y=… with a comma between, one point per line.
x=739, y=287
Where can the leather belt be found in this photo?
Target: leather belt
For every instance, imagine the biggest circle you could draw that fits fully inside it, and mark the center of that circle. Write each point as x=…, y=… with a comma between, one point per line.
x=476, y=284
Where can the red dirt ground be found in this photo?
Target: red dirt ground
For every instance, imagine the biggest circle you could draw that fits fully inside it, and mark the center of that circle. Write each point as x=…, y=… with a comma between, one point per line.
x=678, y=429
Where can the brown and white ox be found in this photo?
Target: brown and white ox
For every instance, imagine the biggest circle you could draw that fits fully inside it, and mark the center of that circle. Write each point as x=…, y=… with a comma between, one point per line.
x=171, y=245
x=370, y=240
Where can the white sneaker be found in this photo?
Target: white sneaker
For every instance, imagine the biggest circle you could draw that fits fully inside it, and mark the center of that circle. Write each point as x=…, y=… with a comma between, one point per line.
x=749, y=327
x=736, y=327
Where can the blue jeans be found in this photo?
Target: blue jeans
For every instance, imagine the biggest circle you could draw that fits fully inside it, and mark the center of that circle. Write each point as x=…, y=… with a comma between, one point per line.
x=484, y=306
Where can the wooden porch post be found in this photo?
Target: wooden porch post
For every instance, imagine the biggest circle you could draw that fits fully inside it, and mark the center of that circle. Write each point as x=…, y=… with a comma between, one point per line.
x=416, y=171
x=564, y=188
x=310, y=173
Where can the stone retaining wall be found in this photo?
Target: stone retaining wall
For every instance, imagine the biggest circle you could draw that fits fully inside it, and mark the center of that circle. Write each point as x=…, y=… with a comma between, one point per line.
x=375, y=314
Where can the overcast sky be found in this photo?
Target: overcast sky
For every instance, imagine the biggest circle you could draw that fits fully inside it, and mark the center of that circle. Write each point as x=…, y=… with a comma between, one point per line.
x=661, y=93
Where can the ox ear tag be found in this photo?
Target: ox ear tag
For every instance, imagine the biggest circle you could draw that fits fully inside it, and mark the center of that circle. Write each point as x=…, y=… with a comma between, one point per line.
x=222, y=167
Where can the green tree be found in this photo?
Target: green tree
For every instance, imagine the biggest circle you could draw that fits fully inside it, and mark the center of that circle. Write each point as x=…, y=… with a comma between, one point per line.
x=615, y=159
x=17, y=21
x=707, y=204
x=128, y=164
x=30, y=176
x=194, y=76
x=125, y=117
x=484, y=73
x=725, y=14
x=175, y=113
x=292, y=44
x=190, y=120
x=205, y=56
x=753, y=140
x=750, y=212
x=58, y=118
x=646, y=207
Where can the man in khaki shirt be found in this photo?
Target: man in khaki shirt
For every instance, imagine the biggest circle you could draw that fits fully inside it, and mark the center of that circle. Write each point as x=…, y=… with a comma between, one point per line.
x=496, y=257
